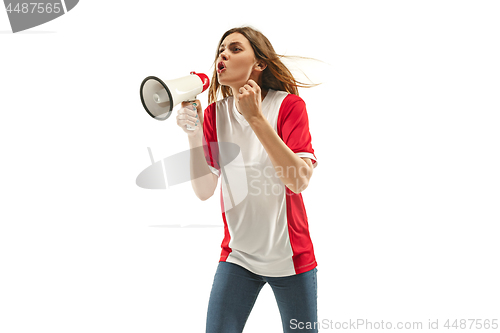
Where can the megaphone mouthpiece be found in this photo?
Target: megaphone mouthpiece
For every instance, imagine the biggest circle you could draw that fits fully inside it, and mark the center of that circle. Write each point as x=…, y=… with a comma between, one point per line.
x=204, y=79
x=159, y=98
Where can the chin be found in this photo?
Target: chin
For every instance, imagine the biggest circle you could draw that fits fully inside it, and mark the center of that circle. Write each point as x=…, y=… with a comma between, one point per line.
x=223, y=81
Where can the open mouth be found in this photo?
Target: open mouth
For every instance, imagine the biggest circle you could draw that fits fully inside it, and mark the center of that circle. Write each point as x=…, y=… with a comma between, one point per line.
x=221, y=67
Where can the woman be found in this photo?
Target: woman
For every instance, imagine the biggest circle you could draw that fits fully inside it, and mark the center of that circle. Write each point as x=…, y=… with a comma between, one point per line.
x=266, y=236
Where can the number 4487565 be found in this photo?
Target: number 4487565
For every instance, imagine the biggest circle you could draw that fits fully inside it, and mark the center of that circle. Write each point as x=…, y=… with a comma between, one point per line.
x=34, y=7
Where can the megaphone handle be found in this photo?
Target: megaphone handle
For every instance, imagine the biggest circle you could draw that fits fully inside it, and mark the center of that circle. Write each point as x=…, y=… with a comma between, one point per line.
x=189, y=127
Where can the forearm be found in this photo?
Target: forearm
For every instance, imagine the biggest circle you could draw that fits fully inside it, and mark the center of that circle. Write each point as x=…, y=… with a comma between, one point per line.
x=293, y=171
x=203, y=180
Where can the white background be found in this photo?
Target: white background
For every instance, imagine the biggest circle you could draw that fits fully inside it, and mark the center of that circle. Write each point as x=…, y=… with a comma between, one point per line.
x=403, y=207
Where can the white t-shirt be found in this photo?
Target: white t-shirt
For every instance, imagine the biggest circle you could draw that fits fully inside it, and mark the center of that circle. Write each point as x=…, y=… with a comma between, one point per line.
x=265, y=223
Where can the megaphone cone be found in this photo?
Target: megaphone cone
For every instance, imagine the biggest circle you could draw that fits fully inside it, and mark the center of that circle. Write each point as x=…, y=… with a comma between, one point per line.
x=159, y=98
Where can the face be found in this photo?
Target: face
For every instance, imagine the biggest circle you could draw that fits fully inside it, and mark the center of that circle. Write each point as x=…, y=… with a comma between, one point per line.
x=236, y=63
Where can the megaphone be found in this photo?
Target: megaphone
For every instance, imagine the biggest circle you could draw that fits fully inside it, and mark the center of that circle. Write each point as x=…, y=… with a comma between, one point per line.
x=159, y=98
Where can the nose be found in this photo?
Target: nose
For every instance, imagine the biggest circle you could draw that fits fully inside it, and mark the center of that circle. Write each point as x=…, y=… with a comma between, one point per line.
x=223, y=56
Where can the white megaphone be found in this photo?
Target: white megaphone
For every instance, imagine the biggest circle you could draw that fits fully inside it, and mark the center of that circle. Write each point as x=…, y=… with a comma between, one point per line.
x=159, y=98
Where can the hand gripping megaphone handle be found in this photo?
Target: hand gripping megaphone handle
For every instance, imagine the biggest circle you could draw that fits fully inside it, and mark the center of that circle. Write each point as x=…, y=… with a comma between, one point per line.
x=206, y=82
x=189, y=127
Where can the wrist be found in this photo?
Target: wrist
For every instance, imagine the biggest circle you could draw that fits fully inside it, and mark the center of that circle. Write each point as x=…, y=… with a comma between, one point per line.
x=256, y=119
x=195, y=139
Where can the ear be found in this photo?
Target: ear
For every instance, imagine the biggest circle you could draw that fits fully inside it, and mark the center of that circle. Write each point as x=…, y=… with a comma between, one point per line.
x=260, y=65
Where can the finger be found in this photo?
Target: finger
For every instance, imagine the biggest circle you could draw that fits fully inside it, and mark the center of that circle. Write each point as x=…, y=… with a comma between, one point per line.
x=187, y=117
x=188, y=112
x=185, y=122
x=191, y=123
x=252, y=83
x=194, y=105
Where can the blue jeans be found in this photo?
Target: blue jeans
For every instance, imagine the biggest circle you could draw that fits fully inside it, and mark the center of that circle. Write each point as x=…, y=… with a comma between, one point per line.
x=235, y=290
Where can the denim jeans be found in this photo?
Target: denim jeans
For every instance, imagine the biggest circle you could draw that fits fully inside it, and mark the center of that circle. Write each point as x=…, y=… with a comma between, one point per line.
x=235, y=290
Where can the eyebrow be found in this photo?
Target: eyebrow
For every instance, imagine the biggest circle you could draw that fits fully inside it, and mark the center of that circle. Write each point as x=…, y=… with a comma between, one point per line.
x=230, y=44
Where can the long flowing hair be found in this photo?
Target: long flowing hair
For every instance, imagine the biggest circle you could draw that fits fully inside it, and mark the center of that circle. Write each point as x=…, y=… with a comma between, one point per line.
x=275, y=76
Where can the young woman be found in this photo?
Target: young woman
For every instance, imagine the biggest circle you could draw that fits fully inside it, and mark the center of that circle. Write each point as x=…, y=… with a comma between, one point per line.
x=266, y=235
